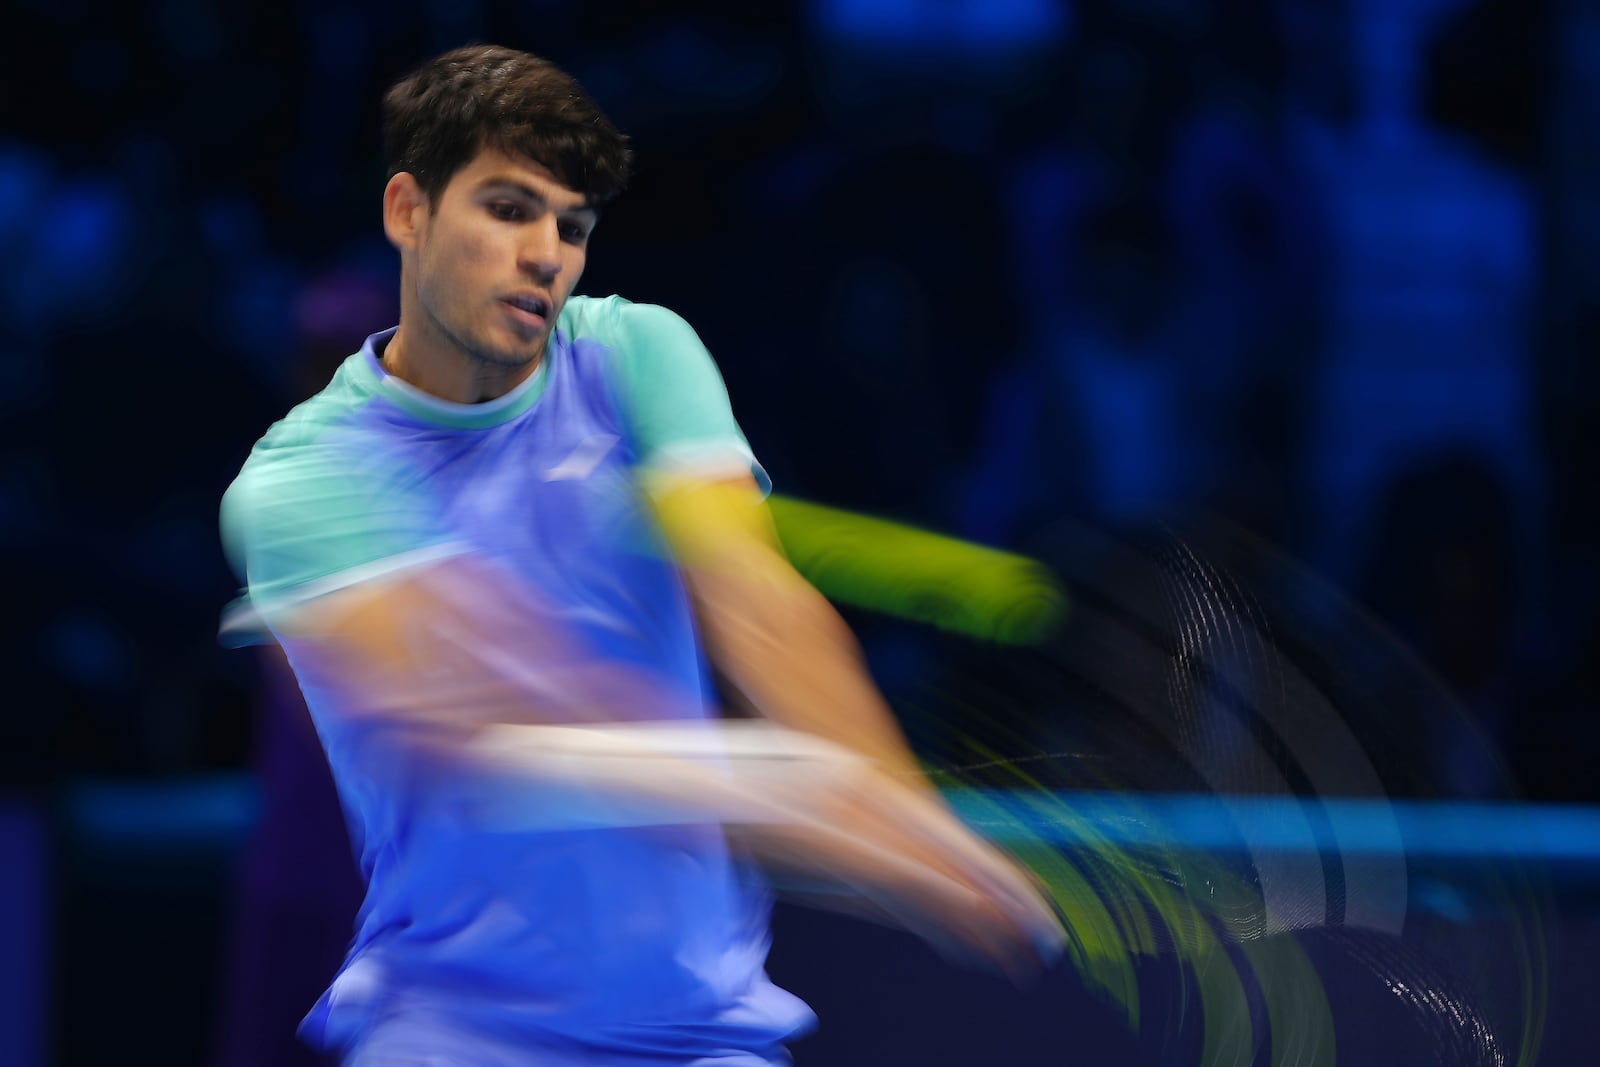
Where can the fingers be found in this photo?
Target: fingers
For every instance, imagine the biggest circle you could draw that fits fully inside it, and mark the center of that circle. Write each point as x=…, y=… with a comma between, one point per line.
x=975, y=932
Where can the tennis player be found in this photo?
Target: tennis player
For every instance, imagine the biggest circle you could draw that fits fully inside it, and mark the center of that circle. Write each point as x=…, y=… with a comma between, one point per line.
x=501, y=550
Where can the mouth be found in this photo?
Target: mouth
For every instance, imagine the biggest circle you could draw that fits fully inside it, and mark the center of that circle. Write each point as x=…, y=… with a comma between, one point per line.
x=529, y=308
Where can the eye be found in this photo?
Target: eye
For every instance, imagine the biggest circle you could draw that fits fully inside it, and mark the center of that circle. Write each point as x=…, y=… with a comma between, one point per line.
x=505, y=211
x=574, y=233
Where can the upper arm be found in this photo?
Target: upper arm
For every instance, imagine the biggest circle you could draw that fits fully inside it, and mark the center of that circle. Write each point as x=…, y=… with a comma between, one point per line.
x=456, y=645
x=748, y=597
x=672, y=395
x=304, y=521
x=695, y=464
x=715, y=524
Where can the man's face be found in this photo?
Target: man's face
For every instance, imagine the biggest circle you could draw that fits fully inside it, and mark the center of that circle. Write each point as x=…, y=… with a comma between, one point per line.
x=497, y=256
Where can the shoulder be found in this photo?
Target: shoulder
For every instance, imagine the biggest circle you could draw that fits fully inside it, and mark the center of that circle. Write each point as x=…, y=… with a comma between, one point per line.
x=310, y=443
x=622, y=324
x=344, y=408
x=590, y=318
x=338, y=404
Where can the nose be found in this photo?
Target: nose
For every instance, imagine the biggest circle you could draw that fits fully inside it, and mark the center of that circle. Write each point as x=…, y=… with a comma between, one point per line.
x=540, y=251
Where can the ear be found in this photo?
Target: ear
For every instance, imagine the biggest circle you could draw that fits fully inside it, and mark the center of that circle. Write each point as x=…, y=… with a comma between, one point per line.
x=405, y=207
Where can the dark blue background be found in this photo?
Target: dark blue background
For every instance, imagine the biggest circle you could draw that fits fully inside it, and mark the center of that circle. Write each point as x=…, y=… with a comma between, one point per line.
x=1319, y=272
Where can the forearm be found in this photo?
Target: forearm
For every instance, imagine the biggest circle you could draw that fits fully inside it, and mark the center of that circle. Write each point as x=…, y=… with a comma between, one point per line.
x=786, y=650
x=755, y=774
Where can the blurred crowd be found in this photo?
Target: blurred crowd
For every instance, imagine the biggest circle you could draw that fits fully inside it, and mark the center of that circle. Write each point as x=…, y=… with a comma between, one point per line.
x=1315, y=269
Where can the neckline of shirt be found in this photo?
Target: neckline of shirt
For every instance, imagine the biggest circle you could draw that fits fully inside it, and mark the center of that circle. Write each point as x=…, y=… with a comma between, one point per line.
x=438, y=411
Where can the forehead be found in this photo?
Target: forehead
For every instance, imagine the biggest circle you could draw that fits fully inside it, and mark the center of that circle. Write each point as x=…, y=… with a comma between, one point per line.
x=492, y=167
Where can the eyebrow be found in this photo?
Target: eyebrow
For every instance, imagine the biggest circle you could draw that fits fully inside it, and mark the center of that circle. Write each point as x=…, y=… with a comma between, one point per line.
x=533, y=194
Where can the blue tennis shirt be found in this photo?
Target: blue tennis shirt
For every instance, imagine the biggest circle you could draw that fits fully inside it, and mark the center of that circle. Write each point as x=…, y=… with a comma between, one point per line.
x=619, y=946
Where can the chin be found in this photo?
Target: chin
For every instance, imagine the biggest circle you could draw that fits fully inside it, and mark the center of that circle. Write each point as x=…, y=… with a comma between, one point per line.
x=518, y=353
x=509, y=361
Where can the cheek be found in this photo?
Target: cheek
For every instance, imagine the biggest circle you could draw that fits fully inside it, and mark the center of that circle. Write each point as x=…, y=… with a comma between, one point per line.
x=572, y=270
x=457, y=266
x=470, y=255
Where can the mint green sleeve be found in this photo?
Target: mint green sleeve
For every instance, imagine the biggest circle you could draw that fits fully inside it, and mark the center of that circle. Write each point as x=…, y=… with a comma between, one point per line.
x=672, y=394
x=305, y=520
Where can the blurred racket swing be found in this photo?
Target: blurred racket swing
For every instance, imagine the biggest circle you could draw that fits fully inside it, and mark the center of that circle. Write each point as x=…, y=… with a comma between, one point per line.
x=1284, y=908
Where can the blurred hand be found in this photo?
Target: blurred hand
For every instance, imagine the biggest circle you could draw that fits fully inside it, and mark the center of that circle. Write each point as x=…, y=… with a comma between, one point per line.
x=882, y=849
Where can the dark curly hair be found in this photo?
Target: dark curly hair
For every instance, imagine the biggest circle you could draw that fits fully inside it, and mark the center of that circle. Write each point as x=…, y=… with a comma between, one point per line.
x=440, y=116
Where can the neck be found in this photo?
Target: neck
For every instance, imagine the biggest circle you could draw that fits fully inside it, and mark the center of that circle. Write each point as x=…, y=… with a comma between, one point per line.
x=441, y=367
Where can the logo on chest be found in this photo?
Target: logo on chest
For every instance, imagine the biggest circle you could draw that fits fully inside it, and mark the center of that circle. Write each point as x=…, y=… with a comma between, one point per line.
x=583, y=459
